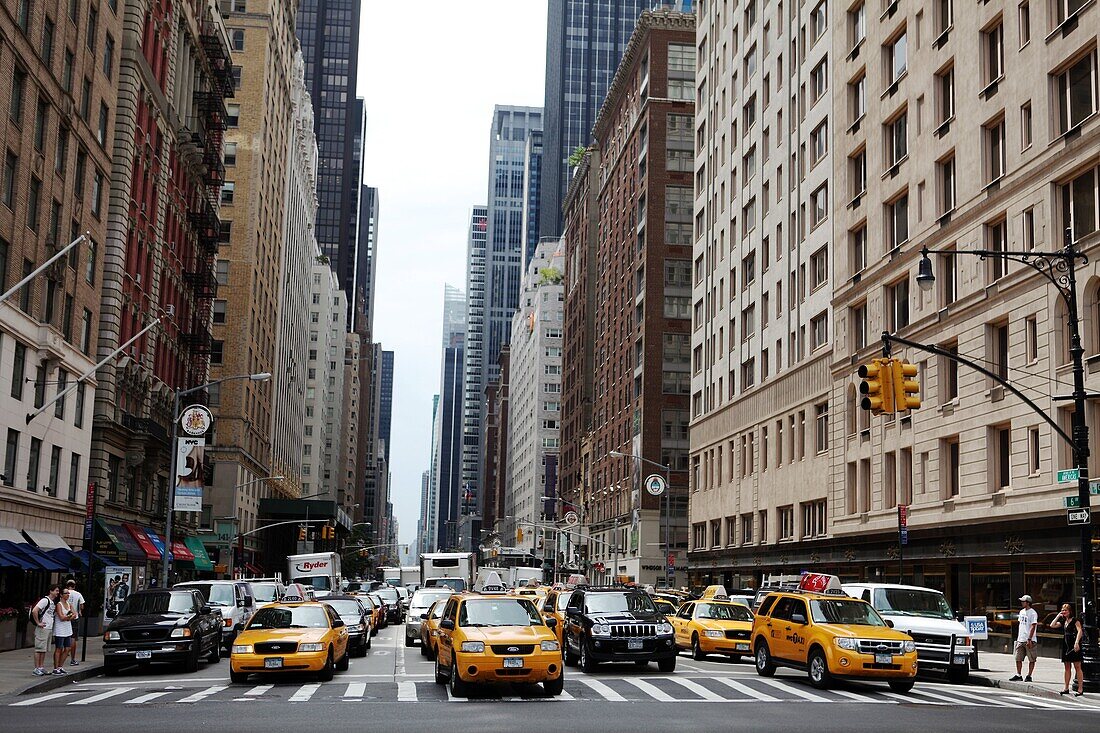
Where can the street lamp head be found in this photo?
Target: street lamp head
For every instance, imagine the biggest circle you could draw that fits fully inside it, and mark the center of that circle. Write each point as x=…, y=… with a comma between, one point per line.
x=260, y=376
x=925, y=277
x=616, y=454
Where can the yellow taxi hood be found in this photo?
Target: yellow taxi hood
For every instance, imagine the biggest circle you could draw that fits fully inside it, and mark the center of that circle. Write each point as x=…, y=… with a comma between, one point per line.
x=882, y=633
x=508, y=634
x=256, y=636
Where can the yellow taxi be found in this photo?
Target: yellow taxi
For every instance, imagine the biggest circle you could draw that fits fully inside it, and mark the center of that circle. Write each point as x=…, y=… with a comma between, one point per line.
x=495, y=639
x=534, y=593
x=291, y=636
x=818, y=628
x=554, y=608
x=713, y=626
x=664, y=606
x=429, y=629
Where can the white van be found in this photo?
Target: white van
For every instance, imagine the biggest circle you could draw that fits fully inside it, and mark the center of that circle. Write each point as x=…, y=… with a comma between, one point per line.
x=924, y=614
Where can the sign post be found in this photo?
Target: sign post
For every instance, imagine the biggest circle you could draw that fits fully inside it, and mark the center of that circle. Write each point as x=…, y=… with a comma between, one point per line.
x=903, y=538
x=89, y=534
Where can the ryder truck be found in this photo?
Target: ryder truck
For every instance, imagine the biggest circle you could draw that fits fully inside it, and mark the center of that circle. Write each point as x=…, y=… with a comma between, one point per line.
x=318, y=569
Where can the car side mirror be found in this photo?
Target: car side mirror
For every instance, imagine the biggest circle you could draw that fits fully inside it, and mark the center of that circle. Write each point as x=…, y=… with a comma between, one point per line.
x=206, y=610
x=338, y=623
x=798, y=618
x=424, y=617
x=447, y=624
x=572, y=610
x=552, y=622
x=889, y=623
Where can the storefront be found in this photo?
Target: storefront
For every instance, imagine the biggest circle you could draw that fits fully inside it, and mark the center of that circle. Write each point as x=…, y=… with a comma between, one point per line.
x=198, y=564
x=117, y=544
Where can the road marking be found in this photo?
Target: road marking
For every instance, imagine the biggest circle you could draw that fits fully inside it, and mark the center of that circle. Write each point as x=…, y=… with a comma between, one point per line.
x=102, y=696
x=862, y=698
x=910, y=700
x=305, y=692
x=140, y=699
x=947, y=699
x=258, y=690
x=452, y=698
x=601, y=689
x=160, y=683
x=356, y=689
x=652, y=690
x=36, y=700
x=699, y=690
x=406, y=692
x=566, y=696
x=794, y=690
x=1034, y=701
x=203, y=694
x=746, y=690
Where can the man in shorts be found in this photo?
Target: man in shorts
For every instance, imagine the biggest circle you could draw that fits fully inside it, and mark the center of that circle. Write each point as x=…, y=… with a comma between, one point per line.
x=76, y=600
x=1026, y=644
x=42, y=616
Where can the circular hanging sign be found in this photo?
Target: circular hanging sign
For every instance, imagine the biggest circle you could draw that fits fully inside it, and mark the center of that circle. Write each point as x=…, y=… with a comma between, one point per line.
x=655, y=485
x=571, y=519
x=196, y=420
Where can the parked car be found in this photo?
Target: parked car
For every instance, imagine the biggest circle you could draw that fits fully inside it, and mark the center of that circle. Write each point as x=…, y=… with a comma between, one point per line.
x=162, y=626
x=232, y=599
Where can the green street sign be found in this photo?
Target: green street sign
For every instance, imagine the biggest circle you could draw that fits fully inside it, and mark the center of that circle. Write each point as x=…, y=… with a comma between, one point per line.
x=1069, y=475
x=1072, y=502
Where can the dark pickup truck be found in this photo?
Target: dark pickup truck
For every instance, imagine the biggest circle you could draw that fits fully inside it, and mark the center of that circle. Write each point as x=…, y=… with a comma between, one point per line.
x=616, y=624
x=162, y=626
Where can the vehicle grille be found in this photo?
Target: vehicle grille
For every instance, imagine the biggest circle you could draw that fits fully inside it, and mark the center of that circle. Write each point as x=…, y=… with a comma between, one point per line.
x=277, y=647
x=737, y=634
x=875, y=646
x=623, y=630
x=933, y=639
x=155, y=634
x=512, y=649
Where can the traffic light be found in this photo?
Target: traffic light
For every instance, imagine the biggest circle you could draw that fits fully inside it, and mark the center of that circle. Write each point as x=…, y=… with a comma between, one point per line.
x=519, y=535
x=301, y=534
x=877, y=387
x=906, y=390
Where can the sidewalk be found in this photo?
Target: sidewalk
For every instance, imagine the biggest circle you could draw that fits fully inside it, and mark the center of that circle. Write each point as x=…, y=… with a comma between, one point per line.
x=995, y=670
x=16, y=668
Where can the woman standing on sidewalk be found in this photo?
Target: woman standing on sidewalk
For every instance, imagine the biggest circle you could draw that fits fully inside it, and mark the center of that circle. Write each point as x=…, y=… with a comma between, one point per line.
x=62, y=631
x=1071, y=645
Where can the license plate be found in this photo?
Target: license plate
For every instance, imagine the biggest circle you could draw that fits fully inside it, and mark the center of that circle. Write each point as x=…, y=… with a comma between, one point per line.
x=633, y=643
x=143, y=655
x=742, y=647
x=962, y=659
x=513, y=662
x=884, y=659
x=273, y=663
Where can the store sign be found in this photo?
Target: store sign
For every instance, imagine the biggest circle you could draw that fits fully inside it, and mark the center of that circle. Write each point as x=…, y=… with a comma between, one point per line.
x=977, y=627
x=189, y=474
x=89, y=513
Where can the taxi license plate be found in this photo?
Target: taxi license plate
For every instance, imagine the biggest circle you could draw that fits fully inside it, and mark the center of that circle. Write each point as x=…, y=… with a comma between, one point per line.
x=884, y=659
x=143, y=655
x=742, y=647
x=273, y=663
x=633, y=644
x=513, y=662
x=961, y=659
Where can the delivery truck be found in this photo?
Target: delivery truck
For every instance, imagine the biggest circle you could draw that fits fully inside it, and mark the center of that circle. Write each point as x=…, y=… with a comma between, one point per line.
x=318, y=569
x=454, y=570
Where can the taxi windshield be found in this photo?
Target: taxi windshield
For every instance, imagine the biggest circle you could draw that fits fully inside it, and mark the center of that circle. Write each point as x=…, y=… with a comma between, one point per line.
x=346, y=607
x=612, y=602
x=264, y=592
x=913, y=602
x=215, y=594
x=293, y=617
x=855, y=613
x=723, y=612
x=498, y=612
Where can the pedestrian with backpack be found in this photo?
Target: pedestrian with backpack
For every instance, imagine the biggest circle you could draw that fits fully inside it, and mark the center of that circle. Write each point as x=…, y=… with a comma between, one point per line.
x=42, y=615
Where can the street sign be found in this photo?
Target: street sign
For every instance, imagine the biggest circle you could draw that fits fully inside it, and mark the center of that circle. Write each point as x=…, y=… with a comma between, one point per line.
x=1069, y=475
x=903, y=515
x=1079, y=516
x=571, y=519
x=904, y=536
x=655, y=485
x=977, y=627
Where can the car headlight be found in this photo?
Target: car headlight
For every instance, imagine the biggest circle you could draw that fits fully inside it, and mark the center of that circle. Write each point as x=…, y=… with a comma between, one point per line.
x=664, y=628
x=242, y=648
x=363, y=628
x=549, y=646
x=965, y=641
x=111, y=636
x=473, y=647
x=845, y=643
x=180, y=633
x=229, y=623
x=714, y=634
x=909, y=646
x=601, y=630
x=311, y=647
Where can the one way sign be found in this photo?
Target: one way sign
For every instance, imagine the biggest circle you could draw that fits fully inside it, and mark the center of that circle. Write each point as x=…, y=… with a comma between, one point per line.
x=1079, y=516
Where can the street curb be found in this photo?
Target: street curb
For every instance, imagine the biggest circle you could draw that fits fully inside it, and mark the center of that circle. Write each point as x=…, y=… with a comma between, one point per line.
x=1028, y=688
x=60, y=680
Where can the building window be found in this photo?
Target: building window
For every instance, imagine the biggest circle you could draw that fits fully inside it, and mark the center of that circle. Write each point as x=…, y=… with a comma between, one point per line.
x=857, y=172
x=217, y=349
x=219, y=311
x=858, y=326
x=819, y=330
x=785, y=523
x=104, y=121
x=950, y=467
x=229, y=153
x=78, y=412
x=1024, y=17
x=11, y=171
x=897, y=221
x=897, y=305
x=813, y=519
x=996, y=240
x=997, y=346
x=34, y=202
x=896, y=58
x=949, y=373
x=857, y=248
x=1079, y=204
x=1033, y=451
x=236, y=39
x=819, y=203
x=746, y=529
x=819, y=140
x=819, y=268
x=821, y=421
x=233, y=114
x=32, y=464
x=1025, y=125
x=1000, y=456
x=1077, y=93
x=993, y=42
x=897, y=141
x=228, y=189
x=18, y=94
x=819, y=81
x=86, y=332
x=945, y=95
x=857, y=96
x=109, y=57
x=1066, y=9
x=949, y=289
x=946, y=171
x=857, y=25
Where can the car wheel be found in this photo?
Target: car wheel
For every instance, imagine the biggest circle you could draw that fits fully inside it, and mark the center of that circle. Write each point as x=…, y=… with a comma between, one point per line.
x=327, y=672
x=765, y=667
x=215, y=651
x=958, y=675
x=344, y=662
x=458, y=687
x=587, y=663
x=554, y=687
x=409, y=641
x=423, y=648
x=819, y=670
x=666, y=666
x=191, y=664
x=568, y=657
x=902, y=686
x=440, y=675
x=696, y=650
x=368, y=640
x=238, y=678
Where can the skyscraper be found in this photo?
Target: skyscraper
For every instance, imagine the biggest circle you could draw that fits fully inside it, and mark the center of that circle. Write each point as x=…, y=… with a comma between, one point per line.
x=584, y=43
x=447, y=452
x=365, y=257
x=532, y=185
x=473, y=350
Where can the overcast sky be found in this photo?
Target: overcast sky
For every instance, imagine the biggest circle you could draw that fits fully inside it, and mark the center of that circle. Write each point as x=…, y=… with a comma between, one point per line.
x=431, y=72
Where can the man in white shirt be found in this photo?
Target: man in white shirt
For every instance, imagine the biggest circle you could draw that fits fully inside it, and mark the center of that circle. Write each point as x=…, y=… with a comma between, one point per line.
x=1026, y=644
x=42, y=616
x=76, y=600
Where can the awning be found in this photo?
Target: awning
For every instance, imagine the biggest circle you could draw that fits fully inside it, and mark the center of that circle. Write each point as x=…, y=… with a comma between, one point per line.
x=45, y=540
x=15, y=561
x=143, y=541
x=180, y=551
x=77, y=559
x=201, y=560
x=115, y=542
x=41, y=560
x=156, y=540
x=11, y=534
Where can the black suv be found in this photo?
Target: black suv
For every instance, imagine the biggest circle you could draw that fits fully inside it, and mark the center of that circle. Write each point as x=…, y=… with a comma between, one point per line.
x=616, y=624
x=162, y=626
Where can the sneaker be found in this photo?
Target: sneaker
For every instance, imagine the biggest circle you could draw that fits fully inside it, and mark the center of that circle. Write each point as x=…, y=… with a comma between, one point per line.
x=1015, y=678
x=73, y=663
x=1027, y=679
x=39, y=672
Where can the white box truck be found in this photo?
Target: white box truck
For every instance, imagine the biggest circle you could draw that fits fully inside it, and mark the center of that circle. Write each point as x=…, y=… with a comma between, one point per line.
x=410, y=576
x=318, y=569
x=454, y=570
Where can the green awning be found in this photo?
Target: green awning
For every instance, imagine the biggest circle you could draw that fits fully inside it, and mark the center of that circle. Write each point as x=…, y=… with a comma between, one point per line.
x=202, y=560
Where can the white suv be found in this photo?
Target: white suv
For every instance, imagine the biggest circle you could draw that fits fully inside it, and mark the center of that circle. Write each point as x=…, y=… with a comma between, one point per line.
x=233, y=599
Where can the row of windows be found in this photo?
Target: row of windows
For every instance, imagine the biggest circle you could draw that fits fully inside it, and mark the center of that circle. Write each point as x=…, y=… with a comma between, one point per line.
x=752, y=528
x=55, y=482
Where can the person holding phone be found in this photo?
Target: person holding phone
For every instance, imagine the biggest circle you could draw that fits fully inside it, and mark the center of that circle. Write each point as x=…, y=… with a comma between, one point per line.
x=1073, y=634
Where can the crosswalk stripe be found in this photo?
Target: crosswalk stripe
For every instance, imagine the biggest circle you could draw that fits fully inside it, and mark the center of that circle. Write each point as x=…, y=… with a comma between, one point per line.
x=911, y=700
x=102, y=696
x=947, y=699
x=1036, y=702
x=452, y=698
x=140, y=699
x=356, y=689
x=565, y=696
x=861, y=698
x=406, y=692
x=258, y=690
x=601, y=689
x=305, y=692
x=36, y=700
x=698, y=689
x=794, y=690
x=652, y=690
x=203, y=694
x=746, y=690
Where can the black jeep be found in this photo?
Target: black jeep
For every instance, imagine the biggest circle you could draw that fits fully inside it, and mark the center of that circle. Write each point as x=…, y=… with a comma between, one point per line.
x=616, y=624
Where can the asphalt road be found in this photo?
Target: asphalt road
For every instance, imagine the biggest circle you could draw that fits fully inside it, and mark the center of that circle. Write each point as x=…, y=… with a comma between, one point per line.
x=393, y=687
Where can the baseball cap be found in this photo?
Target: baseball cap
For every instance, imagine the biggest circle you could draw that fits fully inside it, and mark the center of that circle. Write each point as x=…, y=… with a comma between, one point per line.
x=1025, y=598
